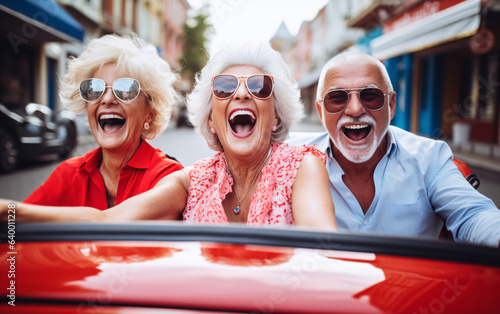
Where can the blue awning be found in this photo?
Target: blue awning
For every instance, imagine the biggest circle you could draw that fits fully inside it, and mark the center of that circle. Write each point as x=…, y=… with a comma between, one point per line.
x=42, y=20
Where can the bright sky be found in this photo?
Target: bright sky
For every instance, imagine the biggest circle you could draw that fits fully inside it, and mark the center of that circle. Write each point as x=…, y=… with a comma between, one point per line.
x=244, y=20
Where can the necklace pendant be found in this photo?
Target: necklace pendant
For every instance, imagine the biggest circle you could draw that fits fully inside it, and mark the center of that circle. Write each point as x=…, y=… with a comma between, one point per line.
x=236, y=211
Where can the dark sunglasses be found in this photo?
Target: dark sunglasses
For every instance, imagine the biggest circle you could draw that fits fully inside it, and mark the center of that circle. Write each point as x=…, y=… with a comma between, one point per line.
x=260, y=86
x=125, y=89
x=371, y=98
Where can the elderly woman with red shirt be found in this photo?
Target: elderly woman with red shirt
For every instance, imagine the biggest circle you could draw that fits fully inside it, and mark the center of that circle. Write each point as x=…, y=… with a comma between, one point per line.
x=126, y=90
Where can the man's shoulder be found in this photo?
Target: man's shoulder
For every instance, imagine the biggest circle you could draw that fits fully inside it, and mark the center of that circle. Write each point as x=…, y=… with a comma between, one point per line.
x=403, y=137
x=424, y=149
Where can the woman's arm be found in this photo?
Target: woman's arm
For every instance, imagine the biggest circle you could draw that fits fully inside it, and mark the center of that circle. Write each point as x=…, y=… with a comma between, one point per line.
x=312, y=203
x=165, y=201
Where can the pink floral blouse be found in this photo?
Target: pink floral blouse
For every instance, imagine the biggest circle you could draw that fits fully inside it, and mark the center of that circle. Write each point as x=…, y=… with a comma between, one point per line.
x=272, y=201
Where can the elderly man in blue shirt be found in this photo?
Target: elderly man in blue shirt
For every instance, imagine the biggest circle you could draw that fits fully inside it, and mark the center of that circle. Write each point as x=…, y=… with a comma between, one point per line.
x=383, y=179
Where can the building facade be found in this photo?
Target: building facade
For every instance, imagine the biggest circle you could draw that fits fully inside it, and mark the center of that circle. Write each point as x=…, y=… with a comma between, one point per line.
x=29, y=73
x=316, y=42
x=443, y=60
x=174, y=17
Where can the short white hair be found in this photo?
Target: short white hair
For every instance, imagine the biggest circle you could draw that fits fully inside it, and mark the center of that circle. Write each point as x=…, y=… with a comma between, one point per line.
x=287, y=103
x=133, y=58
x=356, y=58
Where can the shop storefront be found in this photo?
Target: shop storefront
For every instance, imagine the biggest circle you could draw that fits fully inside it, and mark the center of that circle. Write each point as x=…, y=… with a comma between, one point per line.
x=29, y=73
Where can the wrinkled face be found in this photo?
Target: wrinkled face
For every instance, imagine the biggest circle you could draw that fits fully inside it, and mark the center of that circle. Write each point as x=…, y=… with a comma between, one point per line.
x=242, y=122
x=357, y=132
x=117, y=125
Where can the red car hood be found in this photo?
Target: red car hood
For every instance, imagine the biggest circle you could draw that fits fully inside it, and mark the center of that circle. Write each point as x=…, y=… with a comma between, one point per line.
x=214, y=276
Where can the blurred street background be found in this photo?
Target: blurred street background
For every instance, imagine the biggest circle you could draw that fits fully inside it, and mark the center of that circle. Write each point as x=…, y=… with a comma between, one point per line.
x=443, y=57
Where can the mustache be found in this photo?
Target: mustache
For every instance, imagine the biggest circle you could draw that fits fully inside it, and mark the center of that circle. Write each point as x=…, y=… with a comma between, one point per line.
x=362, y=119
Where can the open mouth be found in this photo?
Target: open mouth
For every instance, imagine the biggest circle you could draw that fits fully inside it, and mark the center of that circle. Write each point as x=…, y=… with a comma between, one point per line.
x=242, y=122
x=111, y=122
x=357, y=132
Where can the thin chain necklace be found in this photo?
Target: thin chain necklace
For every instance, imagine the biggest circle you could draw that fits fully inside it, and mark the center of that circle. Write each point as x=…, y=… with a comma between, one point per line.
x=236, y=211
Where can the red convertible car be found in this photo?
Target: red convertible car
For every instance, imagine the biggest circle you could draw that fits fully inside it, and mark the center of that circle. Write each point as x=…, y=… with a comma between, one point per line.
x=156, y=267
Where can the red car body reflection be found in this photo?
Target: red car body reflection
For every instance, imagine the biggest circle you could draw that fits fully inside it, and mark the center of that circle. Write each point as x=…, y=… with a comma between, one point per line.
x=148, y=276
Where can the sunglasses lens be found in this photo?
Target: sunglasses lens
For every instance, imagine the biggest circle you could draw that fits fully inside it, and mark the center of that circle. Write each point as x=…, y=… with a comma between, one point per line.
x=372, y=98
x=92, y=89
x=335, y=101
x=126, y=89
x=261, y=86
x=224, y=86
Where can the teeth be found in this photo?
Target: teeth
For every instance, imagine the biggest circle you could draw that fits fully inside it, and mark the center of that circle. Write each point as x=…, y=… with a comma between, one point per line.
x=241, y=112
x=111, y=116
x=356, y=126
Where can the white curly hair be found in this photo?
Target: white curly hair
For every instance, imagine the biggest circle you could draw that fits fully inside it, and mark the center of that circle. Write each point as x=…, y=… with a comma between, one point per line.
x=287, y=103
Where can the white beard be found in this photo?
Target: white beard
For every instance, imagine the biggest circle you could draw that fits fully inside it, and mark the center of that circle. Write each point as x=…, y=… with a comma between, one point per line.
x=358, y=153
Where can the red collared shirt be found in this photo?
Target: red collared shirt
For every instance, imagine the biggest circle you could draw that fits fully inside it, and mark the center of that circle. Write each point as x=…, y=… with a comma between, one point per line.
x=78, y=181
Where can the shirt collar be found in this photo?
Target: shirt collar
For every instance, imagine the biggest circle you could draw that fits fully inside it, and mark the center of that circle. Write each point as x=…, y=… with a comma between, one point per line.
x=324, y=145
x=91, y=160
x=142, y=156
x=391, y=142
x=140, y=160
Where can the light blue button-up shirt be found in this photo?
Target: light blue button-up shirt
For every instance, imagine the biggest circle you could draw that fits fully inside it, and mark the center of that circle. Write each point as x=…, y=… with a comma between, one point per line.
x=417, y=186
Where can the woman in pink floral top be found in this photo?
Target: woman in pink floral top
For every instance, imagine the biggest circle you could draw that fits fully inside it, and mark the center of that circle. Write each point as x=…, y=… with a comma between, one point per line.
x=244, y=104
x=211, y=182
